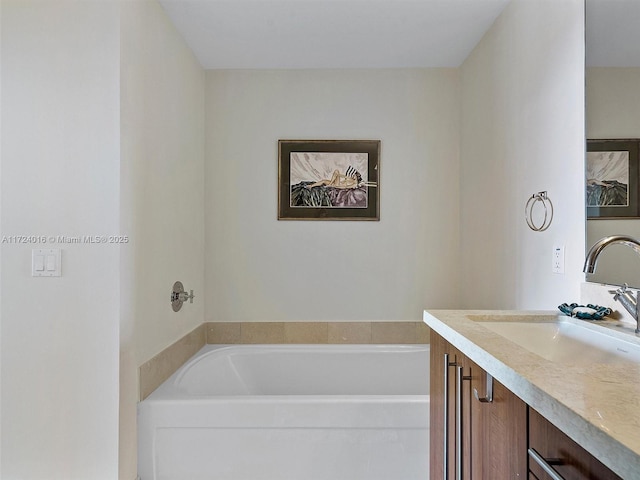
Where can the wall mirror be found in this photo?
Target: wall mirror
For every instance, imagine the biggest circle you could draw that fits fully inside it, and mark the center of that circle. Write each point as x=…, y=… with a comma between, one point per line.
x=613, y=112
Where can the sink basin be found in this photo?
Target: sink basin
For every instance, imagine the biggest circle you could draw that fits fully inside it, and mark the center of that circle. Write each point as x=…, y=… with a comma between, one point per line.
x=568, y=340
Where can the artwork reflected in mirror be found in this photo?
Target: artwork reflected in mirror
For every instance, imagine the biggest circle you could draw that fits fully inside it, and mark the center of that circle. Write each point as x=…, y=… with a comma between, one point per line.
x=612, y=178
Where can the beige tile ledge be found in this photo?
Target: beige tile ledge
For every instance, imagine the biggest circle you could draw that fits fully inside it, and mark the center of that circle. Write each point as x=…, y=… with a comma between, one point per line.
x=162, y=366
x=597, y=405
x=317, y=332
x=155, y=371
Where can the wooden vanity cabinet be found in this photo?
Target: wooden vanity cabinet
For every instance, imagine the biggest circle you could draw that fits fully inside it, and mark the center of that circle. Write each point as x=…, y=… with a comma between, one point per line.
x=496, y=435
x=568, y=459
x=493, y=434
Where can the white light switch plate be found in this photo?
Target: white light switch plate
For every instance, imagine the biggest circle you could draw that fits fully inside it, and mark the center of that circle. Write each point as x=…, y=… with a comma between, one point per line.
x=46, y=262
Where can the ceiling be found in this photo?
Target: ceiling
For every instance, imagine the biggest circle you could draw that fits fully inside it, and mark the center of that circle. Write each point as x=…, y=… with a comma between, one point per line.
x=271, y=34
x=373, y=33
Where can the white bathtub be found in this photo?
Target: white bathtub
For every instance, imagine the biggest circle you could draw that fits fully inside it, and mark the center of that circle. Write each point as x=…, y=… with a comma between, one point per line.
x=290, y=412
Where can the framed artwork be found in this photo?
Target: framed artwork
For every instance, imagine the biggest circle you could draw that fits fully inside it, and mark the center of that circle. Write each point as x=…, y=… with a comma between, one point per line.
x=612, y=174
x=328, y=180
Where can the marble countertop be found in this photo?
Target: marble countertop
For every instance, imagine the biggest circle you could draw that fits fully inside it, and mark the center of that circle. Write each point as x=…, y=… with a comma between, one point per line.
x=597, y=405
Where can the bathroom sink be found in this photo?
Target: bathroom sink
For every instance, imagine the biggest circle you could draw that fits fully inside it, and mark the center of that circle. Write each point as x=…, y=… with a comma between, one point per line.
x=568, y=340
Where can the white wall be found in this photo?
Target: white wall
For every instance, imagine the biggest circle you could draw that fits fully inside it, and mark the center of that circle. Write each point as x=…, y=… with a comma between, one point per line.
x=1, y=233
x=162, y=199
x=70, y=96
x=259, y=268
x=613, y=103
x=60, y=176
x=523, y=132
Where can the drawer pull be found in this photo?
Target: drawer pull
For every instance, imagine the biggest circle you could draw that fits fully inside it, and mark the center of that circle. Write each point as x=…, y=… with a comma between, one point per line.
x=447, y=365
x=488, y=398
x=460, y=377
x=545, y=465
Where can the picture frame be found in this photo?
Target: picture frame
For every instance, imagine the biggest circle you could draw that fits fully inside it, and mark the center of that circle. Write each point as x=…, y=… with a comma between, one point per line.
x=612, y=186
x=329, y=180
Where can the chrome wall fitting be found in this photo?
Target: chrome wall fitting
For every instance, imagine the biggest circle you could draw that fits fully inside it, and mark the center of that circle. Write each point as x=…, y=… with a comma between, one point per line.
x=543, y=198
x=179, y=296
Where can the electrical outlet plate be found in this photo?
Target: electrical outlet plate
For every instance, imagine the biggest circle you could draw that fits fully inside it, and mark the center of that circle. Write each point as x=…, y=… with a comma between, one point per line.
x=557, y=265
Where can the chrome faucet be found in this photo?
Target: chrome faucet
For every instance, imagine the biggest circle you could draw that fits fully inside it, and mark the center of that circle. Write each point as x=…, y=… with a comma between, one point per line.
x=622, y=295
x=629, y=302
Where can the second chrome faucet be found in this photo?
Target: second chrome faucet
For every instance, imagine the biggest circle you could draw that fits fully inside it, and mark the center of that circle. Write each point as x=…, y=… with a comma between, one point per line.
x=622, y=295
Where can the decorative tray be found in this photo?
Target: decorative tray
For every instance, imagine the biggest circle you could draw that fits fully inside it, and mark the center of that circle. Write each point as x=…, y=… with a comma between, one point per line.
x=585, y=312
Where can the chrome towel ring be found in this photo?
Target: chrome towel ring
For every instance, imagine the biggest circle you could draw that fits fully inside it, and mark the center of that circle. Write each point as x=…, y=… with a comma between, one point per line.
x=543, y=198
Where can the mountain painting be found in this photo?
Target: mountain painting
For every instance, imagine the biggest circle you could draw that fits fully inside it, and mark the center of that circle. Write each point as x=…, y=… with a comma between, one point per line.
x=608, y=179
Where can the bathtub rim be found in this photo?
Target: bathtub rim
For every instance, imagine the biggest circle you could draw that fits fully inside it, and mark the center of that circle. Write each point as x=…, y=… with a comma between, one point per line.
x=169, y=391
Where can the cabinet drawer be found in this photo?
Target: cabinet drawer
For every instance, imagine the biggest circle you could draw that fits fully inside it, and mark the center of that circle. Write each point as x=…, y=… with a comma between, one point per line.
x=573, y=461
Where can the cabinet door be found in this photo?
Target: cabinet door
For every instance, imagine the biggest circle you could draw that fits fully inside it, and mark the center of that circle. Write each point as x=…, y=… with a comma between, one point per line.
x=571, y=461
x=498, y=430
x=494, y=434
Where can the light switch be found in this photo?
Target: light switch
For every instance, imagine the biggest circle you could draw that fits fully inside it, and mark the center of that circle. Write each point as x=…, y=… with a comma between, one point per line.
x=51, y=263
x=38, y=263
x=46, y=262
